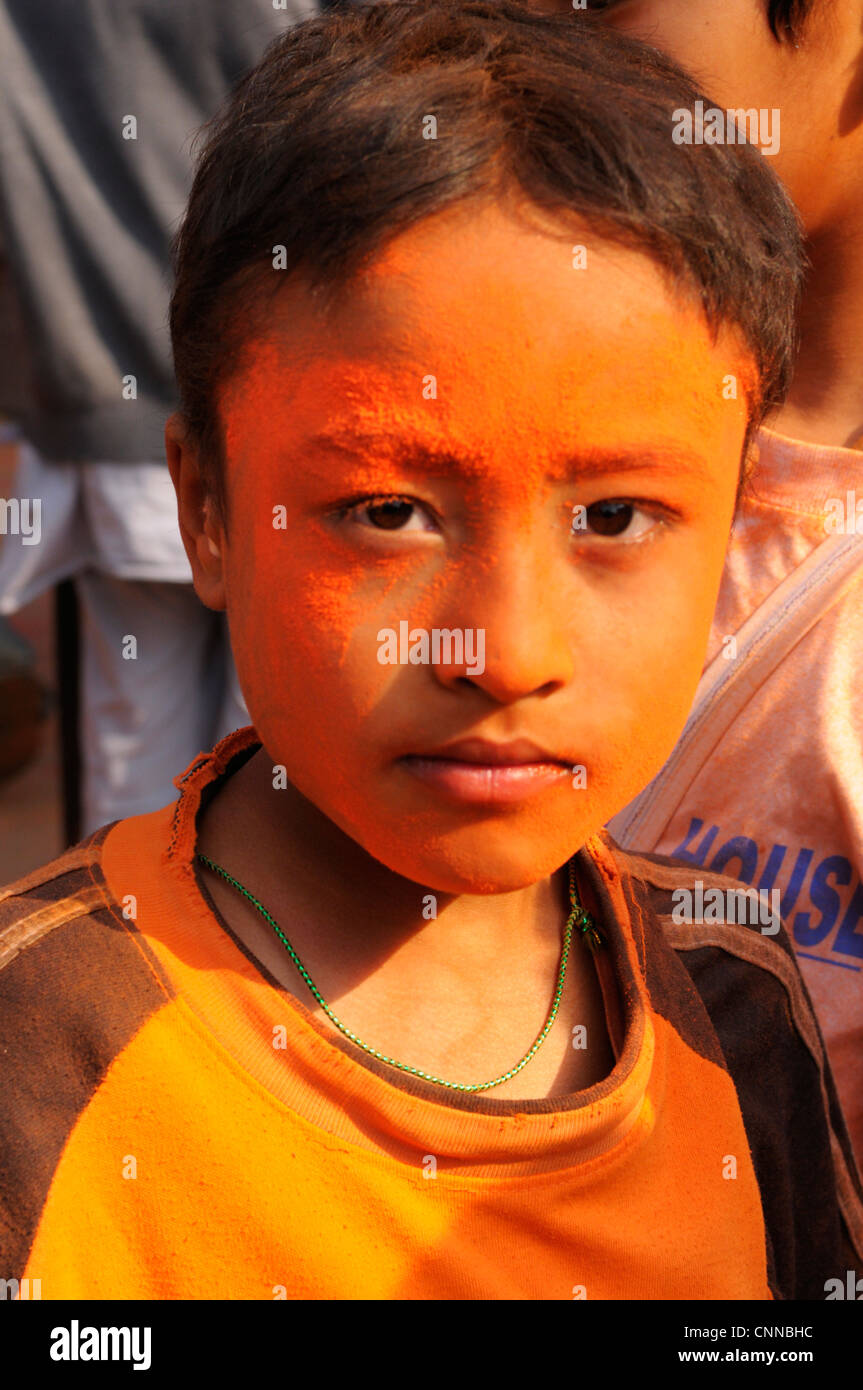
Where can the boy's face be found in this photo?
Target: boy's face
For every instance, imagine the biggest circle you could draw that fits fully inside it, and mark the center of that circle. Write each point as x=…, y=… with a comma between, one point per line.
x=732, y=54
x=428, y=440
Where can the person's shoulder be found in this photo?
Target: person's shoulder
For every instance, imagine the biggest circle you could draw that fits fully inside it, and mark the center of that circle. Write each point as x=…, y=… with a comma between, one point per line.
x=721, y=968
x=47, y=898
x=678, y=892
x=76, y=978
x=77, y=985
x=38, y=909
x=728, y=935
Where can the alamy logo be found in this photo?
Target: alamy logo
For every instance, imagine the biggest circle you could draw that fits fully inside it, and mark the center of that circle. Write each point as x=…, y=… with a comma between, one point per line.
x=844, y=518
x=26, y=1289
x=713, y=126
x=851, y=1289
x=76, y=1343
x=743, y=906
x=442, y=646
x=21, y=516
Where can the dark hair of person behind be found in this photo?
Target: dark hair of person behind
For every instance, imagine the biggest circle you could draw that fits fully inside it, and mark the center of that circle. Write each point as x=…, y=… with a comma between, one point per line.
x=321, y=150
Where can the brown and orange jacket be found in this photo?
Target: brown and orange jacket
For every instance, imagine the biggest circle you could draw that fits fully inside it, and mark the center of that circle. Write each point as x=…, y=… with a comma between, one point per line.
x=175, y=1125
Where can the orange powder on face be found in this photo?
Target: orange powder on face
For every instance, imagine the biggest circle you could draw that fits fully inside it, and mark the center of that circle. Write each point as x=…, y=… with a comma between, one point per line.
x=595, y=661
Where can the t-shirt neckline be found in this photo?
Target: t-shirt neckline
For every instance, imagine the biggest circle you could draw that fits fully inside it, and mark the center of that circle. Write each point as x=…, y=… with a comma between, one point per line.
x=327, y=1079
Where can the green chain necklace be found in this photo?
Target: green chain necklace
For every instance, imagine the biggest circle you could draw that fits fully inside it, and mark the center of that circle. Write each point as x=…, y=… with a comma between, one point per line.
x=577, y=918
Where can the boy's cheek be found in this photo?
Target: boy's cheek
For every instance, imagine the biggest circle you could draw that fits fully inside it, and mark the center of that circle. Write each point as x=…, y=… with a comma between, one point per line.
x=308, y=658
x=654, y=658
x=331, y=727
x=314, y=633
x=306, y=645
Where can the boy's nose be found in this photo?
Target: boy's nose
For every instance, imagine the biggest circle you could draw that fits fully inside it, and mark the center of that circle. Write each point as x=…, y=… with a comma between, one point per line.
x=522, y=632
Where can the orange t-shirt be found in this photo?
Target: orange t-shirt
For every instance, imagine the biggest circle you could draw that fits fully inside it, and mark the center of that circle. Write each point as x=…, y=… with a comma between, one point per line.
x=775, y=795
x=175, y=1125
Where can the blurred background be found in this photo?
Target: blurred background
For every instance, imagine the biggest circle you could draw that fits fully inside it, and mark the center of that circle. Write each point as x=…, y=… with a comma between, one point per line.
x=31, y=791
x=100, y=104
x=31, y=801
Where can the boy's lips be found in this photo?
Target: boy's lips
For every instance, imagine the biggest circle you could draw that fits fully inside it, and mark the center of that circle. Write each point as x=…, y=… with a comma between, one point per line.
x=480, y=771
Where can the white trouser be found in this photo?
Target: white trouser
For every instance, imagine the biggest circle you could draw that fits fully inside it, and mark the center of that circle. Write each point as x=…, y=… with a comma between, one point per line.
x=148, y=707
x=144, y=717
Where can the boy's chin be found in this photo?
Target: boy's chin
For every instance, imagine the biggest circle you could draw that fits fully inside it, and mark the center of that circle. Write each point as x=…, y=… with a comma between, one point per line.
x=482, y=864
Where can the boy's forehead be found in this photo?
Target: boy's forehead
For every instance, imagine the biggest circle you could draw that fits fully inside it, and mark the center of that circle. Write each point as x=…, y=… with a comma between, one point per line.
x=471, y=323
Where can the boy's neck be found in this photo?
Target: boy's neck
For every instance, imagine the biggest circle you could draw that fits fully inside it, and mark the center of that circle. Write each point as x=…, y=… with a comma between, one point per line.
x=457, y=993
x=296, y=853
x=825, y=404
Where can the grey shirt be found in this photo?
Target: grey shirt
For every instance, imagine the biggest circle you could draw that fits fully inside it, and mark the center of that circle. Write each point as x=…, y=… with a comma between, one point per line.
x=99, y=102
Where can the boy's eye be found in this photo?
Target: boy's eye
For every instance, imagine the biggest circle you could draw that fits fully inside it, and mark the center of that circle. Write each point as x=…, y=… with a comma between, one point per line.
x=615, y=517
x=391, y=514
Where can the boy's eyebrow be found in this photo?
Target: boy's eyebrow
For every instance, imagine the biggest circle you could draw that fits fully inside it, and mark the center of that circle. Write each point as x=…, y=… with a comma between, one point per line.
x=431, y=456
x=666, y=458
x=441, y=459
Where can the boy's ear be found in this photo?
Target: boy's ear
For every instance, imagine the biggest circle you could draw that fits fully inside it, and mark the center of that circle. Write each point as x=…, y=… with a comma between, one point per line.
x=203, y=537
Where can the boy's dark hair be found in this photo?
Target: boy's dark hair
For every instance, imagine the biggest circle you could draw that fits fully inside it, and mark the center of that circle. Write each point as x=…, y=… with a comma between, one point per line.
x=321, y=150
x=787, y=17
